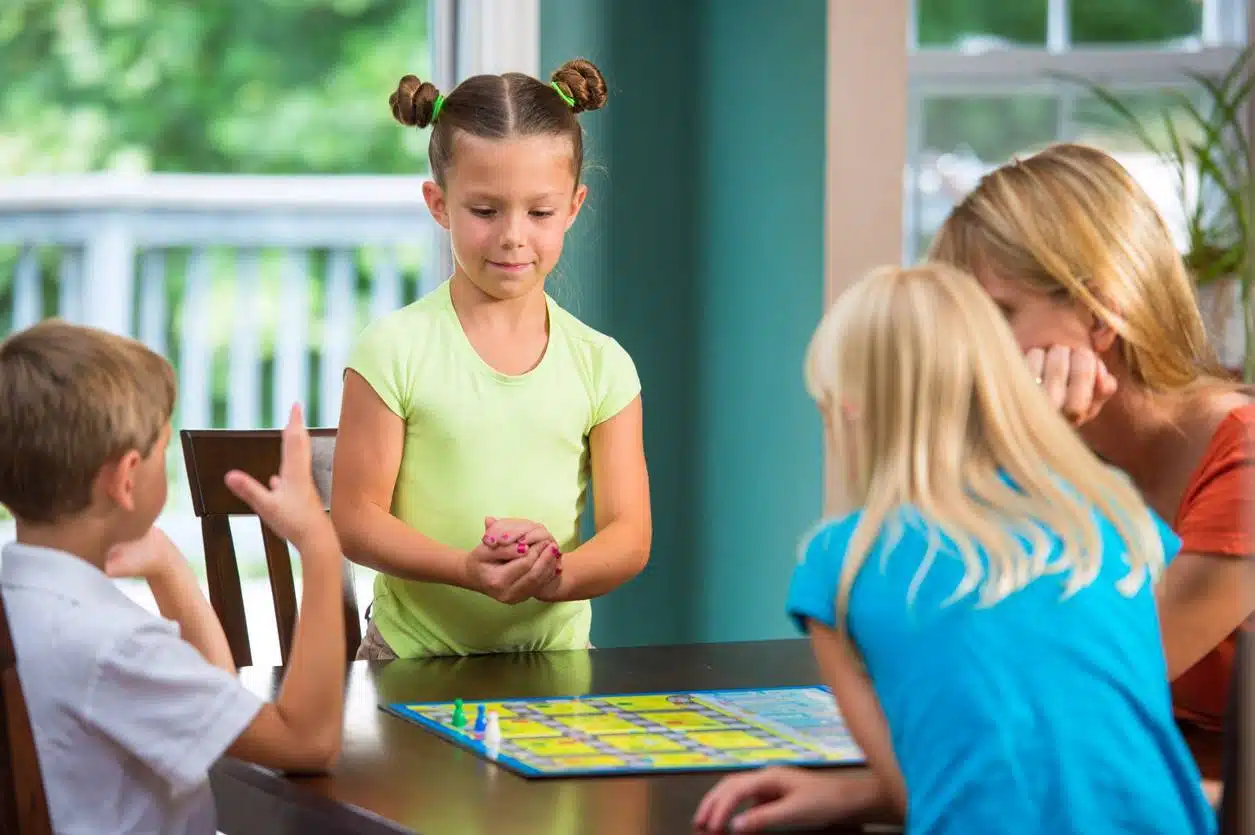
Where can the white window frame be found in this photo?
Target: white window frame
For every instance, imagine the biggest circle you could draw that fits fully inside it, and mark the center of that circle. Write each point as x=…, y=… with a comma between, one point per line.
x=948, y=72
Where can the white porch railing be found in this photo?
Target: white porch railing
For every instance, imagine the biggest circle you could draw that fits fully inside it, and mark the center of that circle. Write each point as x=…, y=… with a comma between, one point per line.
x=253, y=287
x=249, y=285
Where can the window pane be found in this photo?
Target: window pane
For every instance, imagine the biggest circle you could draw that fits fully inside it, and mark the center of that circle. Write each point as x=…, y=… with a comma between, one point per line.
x=1096, y=123
x=1135, y=21
x=970, y=24
x=964, y=137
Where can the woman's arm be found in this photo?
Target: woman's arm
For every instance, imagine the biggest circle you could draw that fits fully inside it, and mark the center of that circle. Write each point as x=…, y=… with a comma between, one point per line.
x=620, y=548
x=364, y=475
x=841, y=669
x=1202, y=600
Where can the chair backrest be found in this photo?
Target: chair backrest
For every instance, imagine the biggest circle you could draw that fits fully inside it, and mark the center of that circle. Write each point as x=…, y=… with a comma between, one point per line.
x=23, y=804
x=1237, y=807
x=209, y=455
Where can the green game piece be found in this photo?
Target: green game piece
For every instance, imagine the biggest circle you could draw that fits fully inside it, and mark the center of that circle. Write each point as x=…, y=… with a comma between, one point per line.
x=459, y=715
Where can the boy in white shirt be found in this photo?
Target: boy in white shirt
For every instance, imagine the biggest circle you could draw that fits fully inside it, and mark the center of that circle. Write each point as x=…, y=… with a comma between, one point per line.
x=129, y=710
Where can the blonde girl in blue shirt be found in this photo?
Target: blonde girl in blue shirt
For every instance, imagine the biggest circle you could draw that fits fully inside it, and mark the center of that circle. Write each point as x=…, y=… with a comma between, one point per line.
x=981, y=603
x=476, y=420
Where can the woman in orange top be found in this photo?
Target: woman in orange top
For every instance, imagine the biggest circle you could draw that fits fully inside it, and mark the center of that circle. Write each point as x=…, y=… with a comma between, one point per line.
x=1082, y=264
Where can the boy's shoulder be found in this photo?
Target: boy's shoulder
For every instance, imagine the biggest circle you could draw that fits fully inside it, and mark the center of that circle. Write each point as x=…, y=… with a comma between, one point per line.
x=112, y=682
x=68, y=620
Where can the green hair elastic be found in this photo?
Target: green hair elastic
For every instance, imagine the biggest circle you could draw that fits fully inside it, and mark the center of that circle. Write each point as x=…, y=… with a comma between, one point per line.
x=570, y=102
x=435, y=108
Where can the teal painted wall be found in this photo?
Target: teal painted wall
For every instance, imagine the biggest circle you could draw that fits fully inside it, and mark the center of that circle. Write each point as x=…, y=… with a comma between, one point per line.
x=762, y=285
x=701, y=250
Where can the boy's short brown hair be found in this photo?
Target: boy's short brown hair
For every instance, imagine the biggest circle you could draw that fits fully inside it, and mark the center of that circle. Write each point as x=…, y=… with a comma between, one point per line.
x=72, y=399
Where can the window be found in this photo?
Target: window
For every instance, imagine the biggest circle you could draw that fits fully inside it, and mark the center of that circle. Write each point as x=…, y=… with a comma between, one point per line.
x=986, y=85
x=224, y=182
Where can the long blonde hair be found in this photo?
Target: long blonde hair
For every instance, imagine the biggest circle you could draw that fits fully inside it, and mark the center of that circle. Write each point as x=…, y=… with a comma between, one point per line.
x=932, y=408
x=1070, y=219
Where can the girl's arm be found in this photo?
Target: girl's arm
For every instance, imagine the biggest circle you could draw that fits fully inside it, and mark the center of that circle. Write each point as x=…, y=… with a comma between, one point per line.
x=367, y=460
x=841, y=669
x=620, y=548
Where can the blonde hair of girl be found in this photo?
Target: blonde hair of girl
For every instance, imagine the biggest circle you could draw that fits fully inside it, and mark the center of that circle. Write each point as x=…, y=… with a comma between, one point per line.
x=1071, y=220
x=937, y=421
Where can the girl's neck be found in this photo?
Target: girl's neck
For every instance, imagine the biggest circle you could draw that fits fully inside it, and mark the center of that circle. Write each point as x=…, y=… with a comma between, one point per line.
x=478, y=310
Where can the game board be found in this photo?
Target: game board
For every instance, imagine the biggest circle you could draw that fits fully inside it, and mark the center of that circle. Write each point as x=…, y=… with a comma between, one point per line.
x=601, y=735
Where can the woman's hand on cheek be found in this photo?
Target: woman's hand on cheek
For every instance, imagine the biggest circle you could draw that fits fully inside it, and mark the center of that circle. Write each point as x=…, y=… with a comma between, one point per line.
x=1075, y=380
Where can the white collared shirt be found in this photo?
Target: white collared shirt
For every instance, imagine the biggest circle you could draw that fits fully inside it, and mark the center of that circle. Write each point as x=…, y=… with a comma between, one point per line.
x=127, y=716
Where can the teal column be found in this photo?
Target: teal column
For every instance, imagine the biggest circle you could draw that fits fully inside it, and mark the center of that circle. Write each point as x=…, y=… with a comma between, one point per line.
x=631, y=272
x=761, y=264
x=702, y=251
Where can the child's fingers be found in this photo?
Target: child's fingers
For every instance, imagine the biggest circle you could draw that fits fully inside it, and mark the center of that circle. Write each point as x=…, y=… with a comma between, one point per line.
x=720, y=804
x=539, y=571
x=514, y=571
x=509, y=531
x=248, y=490
x=716, y=808
x=539, y=533
x=295, y=461
x=547, y=546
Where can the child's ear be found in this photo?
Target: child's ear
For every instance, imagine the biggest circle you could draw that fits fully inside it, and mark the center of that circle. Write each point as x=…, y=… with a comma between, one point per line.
x=577, y=202
x=117, y=480
x=434, y=195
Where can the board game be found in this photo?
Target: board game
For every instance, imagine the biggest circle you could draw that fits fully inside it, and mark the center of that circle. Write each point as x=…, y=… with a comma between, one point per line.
x=602, y=735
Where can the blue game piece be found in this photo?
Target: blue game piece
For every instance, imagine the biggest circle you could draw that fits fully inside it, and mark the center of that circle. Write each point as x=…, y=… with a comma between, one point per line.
x=481, y=721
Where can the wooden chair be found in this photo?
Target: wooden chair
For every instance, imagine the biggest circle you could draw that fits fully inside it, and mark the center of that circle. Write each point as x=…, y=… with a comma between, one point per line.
x=209, y=455
x=1237, y=807
x=23, y=804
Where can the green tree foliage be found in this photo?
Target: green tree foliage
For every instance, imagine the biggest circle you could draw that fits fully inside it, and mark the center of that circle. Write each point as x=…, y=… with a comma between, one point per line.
x=943, y=22
x=238, y=86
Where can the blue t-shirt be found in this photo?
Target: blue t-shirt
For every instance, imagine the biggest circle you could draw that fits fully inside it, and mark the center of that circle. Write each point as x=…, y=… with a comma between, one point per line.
x=1033, y=715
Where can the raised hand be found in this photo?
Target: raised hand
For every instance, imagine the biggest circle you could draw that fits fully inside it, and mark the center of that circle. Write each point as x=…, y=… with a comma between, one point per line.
x=290, y=505
x=1075, y=380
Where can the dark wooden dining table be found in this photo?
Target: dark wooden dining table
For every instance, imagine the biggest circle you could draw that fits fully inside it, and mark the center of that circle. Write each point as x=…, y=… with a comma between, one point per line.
x=393, y=776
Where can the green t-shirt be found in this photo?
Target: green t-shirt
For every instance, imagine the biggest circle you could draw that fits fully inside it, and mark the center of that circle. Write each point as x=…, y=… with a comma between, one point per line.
x=480, y=443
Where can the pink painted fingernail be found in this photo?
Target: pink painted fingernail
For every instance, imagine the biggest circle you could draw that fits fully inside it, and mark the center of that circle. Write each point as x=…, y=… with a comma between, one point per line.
x=490, y=540
x=558, y=570
x=522, y=548
x=555, y=550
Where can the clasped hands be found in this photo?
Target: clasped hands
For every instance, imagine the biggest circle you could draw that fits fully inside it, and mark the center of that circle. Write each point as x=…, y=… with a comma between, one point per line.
x=516, y=560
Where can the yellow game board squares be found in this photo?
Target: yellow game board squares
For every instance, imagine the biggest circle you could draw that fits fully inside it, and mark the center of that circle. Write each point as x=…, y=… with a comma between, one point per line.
x=681, y=760
x=728, y=740
x=559, y=746
x=643, y=743
x=601, y=723
x=637, y=704
x=684, y=720
x=517, y=728
x=564, y=708
x=600, y=761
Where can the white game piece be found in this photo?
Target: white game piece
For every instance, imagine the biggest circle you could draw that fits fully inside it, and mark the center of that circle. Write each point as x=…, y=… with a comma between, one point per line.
x=492, y=730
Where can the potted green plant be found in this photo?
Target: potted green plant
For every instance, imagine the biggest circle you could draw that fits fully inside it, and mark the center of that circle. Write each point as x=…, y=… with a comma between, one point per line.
x=1209, y=149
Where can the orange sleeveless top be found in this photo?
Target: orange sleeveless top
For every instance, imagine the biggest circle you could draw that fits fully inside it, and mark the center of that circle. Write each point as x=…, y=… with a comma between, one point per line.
x=1215, y=518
